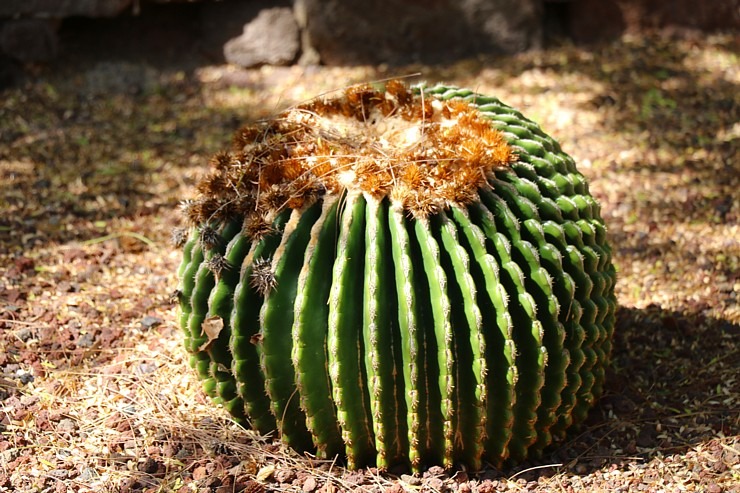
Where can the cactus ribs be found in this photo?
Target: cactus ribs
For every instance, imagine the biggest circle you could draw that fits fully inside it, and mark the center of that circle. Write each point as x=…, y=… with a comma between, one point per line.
x=375, y=276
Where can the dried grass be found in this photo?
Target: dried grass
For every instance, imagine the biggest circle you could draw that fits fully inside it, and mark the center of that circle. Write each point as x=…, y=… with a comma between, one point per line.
x=95, y=392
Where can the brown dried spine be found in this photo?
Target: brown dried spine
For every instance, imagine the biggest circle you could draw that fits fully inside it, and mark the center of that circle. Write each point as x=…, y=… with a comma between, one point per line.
x=424, y=154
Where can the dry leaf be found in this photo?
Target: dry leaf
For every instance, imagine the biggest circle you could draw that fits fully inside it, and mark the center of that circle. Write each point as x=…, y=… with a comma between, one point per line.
x=265, y=472
x=212, y=327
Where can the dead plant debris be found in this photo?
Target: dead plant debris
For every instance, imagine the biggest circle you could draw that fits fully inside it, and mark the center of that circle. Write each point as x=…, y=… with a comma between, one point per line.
x=422, y=154
x=95, y=393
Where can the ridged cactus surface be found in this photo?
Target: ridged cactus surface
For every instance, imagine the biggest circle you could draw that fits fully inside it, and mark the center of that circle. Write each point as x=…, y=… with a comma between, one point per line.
x=399, y=276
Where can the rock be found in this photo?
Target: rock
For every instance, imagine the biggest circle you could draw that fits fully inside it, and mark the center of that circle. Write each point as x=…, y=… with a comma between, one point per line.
x=87, y=474
x=309, y=55
x=29, y=40
x=284, y=475
x=608, y=19
x=149, y=322
x=149, y=466
x=270, y=38
x=24, y=334
x=24, y=377
x=410, y=479
x=223, y=21
x=352, y=32
x=309, y=485
x=66, y=425
x=86, y=340
x=59, y=9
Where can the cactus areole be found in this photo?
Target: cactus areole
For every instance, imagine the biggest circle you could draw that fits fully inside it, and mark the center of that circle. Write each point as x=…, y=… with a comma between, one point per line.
x=399, y=276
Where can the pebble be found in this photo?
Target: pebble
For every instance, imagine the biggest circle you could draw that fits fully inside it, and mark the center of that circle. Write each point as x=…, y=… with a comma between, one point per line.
x=29, y=400
x=284, y=475
x=435, y=484
x=149, y=466
x=150, y=322
x=145, y=368
x=309, y=485
x=66, y=425
x=24, y=377
x=86, y=340
x=24, y=334
x=714, y=488
x=58, y=473
x=411, y=480
x=87, y=474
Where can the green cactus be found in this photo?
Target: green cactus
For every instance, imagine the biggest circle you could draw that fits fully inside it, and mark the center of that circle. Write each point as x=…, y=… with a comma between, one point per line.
x=399, y=276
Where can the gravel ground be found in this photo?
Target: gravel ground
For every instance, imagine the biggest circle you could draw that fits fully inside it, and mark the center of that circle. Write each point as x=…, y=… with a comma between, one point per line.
x=96, y=151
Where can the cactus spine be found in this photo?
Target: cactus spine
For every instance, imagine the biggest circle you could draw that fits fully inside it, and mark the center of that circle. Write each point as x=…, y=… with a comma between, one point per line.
x=399, y=276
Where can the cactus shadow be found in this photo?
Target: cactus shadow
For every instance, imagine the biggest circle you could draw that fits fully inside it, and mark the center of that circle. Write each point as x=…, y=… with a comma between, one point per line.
x=671, y=387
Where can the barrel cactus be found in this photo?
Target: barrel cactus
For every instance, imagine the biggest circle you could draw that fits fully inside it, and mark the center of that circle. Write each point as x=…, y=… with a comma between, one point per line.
x=398, y=276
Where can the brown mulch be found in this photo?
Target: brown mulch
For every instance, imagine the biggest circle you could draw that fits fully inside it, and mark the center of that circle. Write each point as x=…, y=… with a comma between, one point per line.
x=96, y=153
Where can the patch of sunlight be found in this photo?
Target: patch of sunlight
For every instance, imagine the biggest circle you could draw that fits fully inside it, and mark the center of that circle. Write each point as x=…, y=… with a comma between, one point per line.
x=715, y=58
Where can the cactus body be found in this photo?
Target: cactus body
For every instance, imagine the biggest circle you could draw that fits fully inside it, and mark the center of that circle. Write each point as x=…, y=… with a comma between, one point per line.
x=423, y=308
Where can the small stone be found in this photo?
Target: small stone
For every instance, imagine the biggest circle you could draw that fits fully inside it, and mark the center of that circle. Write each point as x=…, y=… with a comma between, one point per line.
x=436, y=484
x=149, y=466
x=87, y=474
x=199, y=473
x=354, y=477
x=714, y=488
x=24, y=334
x=58, y=473
x=487, y=486
x=328, y=488
x=60, y=487
x=411, y=480
x=85, y=340
x=150, y=322
x=169, y=450
x=250, y=486
x=62, y=453
x=309, y=485
x=24, y=377
x=29, y=400
x=284, y=475
x=128, y=485
x=144, y=368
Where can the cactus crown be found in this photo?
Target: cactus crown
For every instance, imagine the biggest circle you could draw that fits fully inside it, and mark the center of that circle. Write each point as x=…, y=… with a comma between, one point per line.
x=424, y=154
